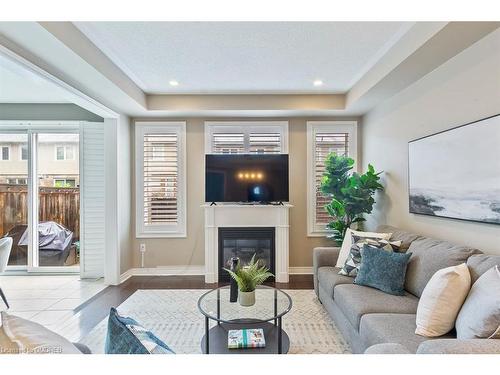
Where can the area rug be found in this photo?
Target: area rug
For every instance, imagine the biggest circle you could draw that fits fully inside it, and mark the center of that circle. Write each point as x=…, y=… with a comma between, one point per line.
x=174, y=317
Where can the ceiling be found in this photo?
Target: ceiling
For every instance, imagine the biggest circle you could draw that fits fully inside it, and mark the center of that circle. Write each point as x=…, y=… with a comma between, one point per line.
x=19, y=85
x=244, y=57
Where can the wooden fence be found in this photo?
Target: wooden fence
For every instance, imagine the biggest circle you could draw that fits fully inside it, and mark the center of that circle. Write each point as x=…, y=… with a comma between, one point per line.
x=61, y=205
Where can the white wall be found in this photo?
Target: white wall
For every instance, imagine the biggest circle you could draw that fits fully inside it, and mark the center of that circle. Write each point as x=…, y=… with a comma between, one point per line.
x=464, y=89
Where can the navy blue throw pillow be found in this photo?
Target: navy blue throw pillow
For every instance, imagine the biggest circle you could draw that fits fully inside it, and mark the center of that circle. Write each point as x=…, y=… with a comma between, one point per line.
x=126, y=336
x=383, y=270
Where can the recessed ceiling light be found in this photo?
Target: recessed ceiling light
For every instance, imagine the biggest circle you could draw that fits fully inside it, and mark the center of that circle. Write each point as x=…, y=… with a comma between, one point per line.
x=317, y=82
x=173, y=82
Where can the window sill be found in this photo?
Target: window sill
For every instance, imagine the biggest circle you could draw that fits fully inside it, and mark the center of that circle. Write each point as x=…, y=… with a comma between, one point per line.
x=161, y=235
x=317, y=234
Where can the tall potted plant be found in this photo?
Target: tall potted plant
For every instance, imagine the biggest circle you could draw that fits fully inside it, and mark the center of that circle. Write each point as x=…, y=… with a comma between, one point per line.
x=351, y=193
x=248, y=277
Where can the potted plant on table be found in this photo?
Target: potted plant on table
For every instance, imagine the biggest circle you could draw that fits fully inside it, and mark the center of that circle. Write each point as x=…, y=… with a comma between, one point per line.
x=248, y=278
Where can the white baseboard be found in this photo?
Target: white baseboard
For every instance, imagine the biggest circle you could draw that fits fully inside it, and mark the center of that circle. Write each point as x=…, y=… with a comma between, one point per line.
x=163, y=271
x=300, y=270
x=190, y=271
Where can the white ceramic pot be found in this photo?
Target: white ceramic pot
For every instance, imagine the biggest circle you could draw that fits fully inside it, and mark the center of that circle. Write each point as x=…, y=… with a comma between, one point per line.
x=246, y=298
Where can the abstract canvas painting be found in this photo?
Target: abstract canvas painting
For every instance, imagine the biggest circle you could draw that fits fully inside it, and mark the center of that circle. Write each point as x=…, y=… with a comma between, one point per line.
x=456, y=173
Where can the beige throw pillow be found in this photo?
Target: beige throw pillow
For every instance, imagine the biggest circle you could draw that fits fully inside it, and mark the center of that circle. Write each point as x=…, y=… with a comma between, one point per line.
x=347, y=243
x=441, y=300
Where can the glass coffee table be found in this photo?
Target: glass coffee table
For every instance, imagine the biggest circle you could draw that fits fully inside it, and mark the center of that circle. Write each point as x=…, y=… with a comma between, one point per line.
x=271, y=304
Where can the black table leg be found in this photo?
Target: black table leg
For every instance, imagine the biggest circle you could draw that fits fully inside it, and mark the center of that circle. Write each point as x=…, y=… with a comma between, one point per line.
x=207, y=338
x=275, y=305
x=280, y=337
x=218, y=307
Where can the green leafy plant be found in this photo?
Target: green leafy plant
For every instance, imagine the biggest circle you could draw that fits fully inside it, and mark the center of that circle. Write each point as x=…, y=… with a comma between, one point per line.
x=351, y=193
x=249, y=276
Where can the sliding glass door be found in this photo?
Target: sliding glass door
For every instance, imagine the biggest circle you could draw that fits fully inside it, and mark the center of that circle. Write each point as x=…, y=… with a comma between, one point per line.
x=14, y=194
x=40, y=199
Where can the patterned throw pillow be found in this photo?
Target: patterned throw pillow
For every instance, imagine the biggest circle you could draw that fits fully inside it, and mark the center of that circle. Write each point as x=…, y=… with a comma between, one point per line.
x=126, y=336
x=351, y=266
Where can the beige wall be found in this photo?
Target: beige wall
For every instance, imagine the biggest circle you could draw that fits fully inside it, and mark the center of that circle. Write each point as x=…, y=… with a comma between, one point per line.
x=464, y=89
x=190, y=250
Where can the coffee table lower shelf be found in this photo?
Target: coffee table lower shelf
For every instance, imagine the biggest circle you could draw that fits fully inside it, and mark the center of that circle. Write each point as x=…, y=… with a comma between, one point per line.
x=218, y=339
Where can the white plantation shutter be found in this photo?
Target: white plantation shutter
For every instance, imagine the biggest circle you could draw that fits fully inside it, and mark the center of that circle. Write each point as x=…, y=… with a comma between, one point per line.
x=252, y=137
x=325, y=137
x=160, y=178
x=92, y=190
x=160, y=183
x=228, y=143
x=325, y=143
x=264, y=143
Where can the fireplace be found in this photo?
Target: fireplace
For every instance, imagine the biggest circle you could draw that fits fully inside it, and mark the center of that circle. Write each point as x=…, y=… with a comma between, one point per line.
x=244, y=243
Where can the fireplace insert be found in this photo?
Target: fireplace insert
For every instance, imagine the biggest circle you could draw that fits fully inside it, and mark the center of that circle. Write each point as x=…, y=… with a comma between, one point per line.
x=244, y=243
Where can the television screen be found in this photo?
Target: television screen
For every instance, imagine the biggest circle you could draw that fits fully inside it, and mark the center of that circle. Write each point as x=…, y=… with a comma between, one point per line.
x=246, y=178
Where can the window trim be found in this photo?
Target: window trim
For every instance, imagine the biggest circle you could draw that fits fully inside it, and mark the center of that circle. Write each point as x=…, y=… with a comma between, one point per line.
x=164, y=231
x=246, y=127
x=313, y=127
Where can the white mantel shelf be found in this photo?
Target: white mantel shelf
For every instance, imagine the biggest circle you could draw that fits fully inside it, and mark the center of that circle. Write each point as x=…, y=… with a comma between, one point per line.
x=246, y=215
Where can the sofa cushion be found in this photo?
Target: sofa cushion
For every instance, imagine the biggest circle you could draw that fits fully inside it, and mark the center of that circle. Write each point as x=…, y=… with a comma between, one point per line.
x=429, y=256
x=387, y=348
x=356, y=301
x=479, y=264
x=406, y=238
x=395, y=328
x=328, y=278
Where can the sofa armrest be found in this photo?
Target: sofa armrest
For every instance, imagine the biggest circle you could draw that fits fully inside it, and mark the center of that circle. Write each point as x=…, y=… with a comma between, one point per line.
x=323, y=257
x=455, y=346
x=387, y=348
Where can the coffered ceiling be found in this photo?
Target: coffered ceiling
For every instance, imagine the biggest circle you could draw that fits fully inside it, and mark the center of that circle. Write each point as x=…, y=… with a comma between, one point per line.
x=244, y=57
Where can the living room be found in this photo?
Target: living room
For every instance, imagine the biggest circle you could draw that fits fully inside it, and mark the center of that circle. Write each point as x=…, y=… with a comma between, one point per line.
x=316, y=187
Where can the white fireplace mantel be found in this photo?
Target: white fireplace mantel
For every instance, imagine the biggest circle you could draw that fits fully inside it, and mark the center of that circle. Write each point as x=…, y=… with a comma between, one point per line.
x=246, y=215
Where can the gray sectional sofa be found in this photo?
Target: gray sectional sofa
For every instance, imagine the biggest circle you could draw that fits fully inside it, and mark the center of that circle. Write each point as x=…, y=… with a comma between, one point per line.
x=376, y=322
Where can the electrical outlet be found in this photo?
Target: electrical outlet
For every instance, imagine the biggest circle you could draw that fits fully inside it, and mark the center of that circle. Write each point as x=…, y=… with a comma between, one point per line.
x=142, y=247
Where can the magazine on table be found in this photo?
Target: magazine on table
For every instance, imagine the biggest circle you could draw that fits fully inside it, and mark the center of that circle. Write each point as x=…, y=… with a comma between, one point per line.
x=246, y=338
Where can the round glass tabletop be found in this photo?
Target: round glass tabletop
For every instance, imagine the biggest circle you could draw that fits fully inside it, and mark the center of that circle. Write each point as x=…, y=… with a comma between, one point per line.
x=270, y=303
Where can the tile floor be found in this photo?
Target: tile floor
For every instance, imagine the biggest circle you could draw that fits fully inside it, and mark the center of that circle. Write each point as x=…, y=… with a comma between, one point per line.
x=47, y=299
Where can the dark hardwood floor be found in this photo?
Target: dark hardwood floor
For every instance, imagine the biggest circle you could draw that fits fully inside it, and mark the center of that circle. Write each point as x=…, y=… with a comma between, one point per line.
x=97, y=308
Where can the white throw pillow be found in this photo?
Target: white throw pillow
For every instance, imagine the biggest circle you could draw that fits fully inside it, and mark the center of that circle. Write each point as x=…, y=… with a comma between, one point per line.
x=27, y=337
x=441, y=300
x=345, y=249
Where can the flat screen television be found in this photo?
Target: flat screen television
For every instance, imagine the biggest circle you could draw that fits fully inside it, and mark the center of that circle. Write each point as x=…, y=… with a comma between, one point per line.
x=246, y=178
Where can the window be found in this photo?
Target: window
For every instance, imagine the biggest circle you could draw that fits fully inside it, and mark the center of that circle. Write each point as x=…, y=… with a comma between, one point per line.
x=65, y=153
x=250, y=137
x=5, y=155
x=59, y=153
x=324, y=137
x=24, y=152
x=16, y=181
x=64, y=183
x=160, y=179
